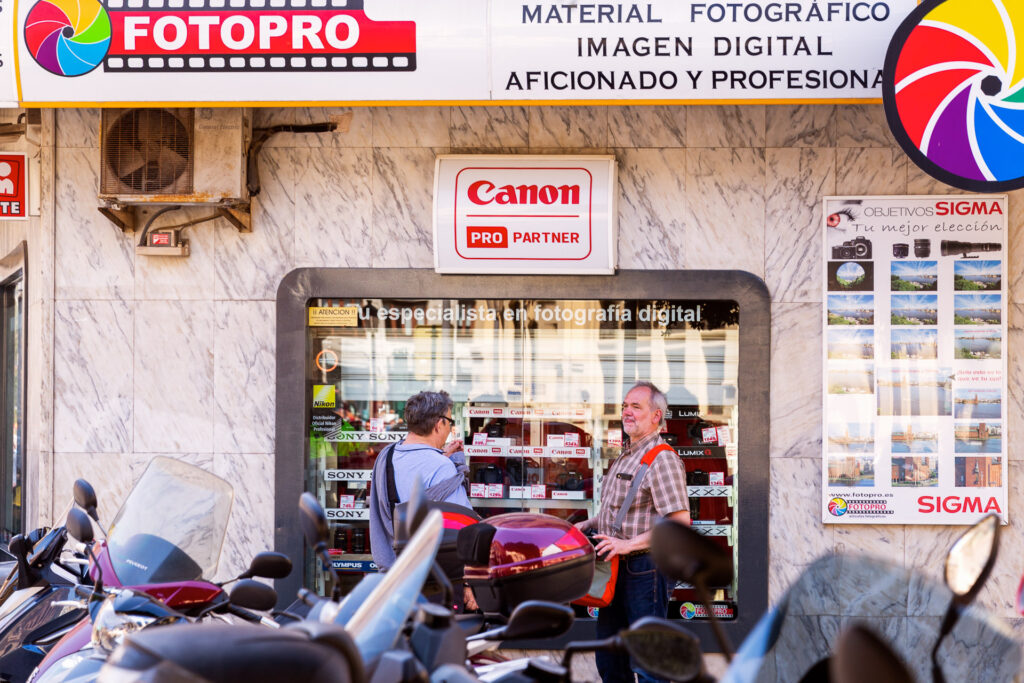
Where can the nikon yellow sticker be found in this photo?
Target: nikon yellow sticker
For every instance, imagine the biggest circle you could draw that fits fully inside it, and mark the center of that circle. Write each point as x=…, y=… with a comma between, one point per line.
x=334, y=316
x=323, y=396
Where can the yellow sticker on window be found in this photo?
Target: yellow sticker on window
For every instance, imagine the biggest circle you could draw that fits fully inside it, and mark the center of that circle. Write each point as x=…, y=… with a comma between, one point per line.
x=334, y=316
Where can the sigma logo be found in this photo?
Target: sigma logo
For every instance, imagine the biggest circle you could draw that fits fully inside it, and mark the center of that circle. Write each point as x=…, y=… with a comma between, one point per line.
x=953, y=504
x=211, y=35
x=486, y=192
x=967, y=208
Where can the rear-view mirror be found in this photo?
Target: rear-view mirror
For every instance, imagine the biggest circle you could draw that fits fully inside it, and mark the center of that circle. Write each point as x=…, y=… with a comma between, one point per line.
x=682, y=554
x=663, y=649
x=269, y=565
x=79, y=525
x=313, y=520
x=537, y=619
x=251, y=594
x=971, y=558
x=85, y=498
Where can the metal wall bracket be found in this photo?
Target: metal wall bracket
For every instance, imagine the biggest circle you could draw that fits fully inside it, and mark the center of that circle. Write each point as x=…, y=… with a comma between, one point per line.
x=129, y=217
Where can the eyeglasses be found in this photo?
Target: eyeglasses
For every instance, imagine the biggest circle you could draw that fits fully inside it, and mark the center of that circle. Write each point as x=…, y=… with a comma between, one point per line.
x=451, y=422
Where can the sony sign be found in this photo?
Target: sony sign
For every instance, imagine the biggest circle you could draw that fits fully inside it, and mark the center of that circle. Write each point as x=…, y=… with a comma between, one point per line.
x=524, y=214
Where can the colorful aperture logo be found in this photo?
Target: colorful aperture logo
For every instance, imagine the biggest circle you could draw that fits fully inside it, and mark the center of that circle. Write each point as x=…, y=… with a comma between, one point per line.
x=68, y=37
x=837, y=507
x=954, y=92
x=687, y=610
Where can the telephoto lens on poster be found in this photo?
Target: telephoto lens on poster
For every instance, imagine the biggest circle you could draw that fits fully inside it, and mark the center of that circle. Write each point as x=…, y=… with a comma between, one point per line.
x=953, y=247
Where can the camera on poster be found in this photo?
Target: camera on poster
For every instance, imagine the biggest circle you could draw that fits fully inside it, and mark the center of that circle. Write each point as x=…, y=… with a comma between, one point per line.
x=857, y=248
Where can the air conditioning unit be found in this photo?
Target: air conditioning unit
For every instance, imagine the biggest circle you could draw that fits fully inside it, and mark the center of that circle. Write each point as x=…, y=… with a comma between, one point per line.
x=167, y=156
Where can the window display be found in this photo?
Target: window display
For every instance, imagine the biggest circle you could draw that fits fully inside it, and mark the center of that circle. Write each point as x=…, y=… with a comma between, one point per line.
x=537, y=387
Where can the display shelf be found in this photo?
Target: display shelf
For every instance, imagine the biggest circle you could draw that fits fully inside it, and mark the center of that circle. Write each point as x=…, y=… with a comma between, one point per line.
x=528, y=451
x=353, y=563
x=530, y=503
x=706, y=491
x=720, y=530
x=558, y=413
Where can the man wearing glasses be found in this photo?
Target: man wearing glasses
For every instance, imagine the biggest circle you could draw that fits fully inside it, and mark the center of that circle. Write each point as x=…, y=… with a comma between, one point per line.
x=425, y=453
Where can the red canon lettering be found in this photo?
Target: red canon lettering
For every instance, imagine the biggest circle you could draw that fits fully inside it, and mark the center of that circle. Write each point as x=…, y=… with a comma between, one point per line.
x=485, y=192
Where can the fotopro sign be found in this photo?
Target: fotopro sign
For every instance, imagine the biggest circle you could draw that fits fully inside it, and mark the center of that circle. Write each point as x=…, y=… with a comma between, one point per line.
x=524, y=214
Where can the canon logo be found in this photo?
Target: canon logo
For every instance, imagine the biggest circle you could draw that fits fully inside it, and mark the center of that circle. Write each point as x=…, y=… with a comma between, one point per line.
x=967, y=208
x=485, y=192
x=957, y=504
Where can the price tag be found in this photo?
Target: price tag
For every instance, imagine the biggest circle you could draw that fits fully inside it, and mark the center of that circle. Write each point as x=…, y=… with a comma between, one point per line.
x=347, y=502
x=614, y=437
x=716, y=478
x=480, y=439
x=518, y=491
x=495, y=490
x=376, y=424
x=478, y=490
x=723, y=435
x=572, y=439
x=567, y=495
x=556, y=440
x=538, y=491
x=709, y=435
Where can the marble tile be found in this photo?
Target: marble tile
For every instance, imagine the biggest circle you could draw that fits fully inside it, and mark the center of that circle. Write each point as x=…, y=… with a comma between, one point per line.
x=334, y=208
x=573, y=127
x=725, y=229
x=251, y=528
x=802, y=642
x=354, y=126
x=251, y=265
x=800, y=125
x=1015, y=247
x=78, y=128
x=795, y=391
x=403, y=199
x=1015, y=381
x=884, y=542
x=863, y=125
x=870, y=171
x=93, y=385
x=1000, y=591
x=891, y=630
x=796, y=181
x=192, y=277
x=94, y=259
x=140, y=461
x=919, y=182
x=927, y=546
x=980, y=649
x=411, y=126
x=795, y=543
x=484, y=128
x=920, y=638
x=654, y=126
x=108, y=473
x=243, y=377
x=652, y=192
x=173, y=380
x=727, y=125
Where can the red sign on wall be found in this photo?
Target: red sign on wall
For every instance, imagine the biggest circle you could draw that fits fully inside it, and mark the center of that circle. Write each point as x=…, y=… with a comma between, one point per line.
x=13, y=187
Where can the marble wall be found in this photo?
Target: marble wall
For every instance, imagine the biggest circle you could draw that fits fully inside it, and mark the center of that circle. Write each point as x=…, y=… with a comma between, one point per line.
x=176, y=356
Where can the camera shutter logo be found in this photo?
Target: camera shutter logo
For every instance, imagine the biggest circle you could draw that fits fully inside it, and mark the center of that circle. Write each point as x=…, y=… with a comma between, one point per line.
x=327, y=360
x=837, y=507
x=323, y=396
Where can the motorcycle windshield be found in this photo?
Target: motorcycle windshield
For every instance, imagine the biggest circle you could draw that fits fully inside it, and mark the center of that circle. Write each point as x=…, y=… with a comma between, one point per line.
x=377, y=624
x=171, y=526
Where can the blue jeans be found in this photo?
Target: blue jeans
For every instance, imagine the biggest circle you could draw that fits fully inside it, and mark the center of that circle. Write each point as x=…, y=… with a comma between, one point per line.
x=640, y=591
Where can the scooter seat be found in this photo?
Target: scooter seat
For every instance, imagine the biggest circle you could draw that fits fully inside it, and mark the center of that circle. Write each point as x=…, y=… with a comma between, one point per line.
x=223, y=653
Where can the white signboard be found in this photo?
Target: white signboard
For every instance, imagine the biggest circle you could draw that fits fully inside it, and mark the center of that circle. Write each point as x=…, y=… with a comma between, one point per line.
x=524, y=214
x=79, y=52
x=914, y=359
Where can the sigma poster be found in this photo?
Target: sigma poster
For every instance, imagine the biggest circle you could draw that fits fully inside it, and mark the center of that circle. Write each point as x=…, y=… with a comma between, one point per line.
x=914, y=359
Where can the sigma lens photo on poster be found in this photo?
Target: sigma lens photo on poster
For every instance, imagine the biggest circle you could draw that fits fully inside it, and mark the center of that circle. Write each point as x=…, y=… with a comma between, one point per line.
x=900, y=250
x=922, y=248
x=857, y=248
x=955, y=248
x=851, y=276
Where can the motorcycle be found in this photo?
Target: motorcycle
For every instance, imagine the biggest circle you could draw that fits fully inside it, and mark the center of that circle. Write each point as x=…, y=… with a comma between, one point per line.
x=44, y=574
x=150, y=569
x=778, y=645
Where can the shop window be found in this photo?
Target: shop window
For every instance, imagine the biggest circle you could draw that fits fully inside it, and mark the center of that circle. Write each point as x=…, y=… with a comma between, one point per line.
x=537, y=385
x=12, y=394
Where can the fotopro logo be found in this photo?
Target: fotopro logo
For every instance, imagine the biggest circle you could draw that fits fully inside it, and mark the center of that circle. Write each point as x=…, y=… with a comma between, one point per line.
x=73, y=37
x=837, y=507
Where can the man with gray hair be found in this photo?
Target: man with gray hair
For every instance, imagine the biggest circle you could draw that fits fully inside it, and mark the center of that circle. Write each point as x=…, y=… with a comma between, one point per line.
x=646, y=481
x=422, y=454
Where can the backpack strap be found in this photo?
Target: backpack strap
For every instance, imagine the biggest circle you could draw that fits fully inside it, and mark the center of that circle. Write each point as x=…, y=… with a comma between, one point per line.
x=634, y=487
x=389, y=473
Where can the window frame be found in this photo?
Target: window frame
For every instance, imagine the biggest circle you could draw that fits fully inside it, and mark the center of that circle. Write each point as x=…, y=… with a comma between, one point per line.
x=749, y=291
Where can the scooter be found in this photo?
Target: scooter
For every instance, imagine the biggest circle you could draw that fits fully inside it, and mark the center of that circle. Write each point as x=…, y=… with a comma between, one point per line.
x=46, y=571
x=683, y=555
x=165, y=556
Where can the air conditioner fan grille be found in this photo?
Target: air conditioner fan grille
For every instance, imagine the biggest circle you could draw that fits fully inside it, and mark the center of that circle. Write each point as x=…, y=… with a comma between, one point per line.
x=148, y=151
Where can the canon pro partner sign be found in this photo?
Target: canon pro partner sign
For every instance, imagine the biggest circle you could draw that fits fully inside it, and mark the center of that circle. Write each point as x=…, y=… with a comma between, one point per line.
x=524, y=214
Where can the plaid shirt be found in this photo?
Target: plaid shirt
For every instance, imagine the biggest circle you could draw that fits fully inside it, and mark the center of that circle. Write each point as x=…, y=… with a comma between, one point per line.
x=662, y=492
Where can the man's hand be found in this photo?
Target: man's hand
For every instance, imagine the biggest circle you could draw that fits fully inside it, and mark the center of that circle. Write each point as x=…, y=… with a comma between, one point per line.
x=469, y=600
x=610, y=547
x=452, y=447
x=585, y=524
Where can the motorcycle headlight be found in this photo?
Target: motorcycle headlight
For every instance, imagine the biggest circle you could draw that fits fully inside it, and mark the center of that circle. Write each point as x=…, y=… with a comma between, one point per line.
x=110, y=626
